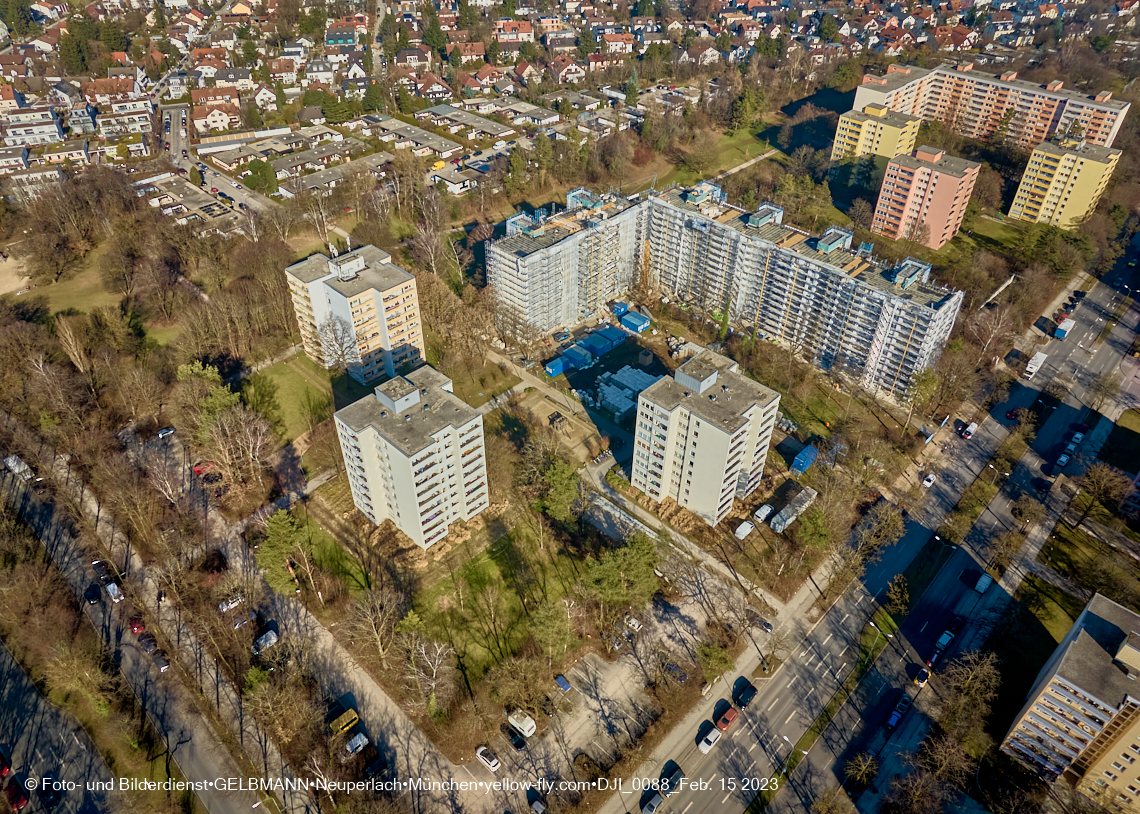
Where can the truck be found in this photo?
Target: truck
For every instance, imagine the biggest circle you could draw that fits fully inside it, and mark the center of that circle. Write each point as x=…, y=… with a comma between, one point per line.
x=794, y=509
x=1035, y=364
x=1064, y=328
x=18, y=468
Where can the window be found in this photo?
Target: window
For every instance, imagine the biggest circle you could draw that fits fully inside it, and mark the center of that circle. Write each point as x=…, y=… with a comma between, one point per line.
x=1119, y=767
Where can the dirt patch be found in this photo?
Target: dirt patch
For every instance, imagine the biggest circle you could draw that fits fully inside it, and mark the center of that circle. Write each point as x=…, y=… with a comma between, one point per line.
x=13, y=276
x=578, y=435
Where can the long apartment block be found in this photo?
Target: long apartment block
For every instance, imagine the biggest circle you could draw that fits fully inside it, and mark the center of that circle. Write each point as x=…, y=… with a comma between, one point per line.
x=561, y=269
x=980, y=105
x=358, y=309
x=414, y=455
x=828, y=301
x=1063, y=182
x=1081, y=720
x=833, y=304
x=702, y=436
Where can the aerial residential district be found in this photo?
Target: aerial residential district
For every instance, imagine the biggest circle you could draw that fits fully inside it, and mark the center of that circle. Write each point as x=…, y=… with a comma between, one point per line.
x=569, y=407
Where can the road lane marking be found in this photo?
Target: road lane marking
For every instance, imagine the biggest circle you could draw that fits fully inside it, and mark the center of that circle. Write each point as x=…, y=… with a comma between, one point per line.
x=828, y=639
x=844, y=619
x=776, y=701
x=753, y=746
x=725, y=800
x=809, y=692
x=750, y=765
x=793, y=715
x=844, y=650
x=686, y=808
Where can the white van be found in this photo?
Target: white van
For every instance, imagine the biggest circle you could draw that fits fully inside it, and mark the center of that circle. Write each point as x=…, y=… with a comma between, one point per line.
x=984, y=581
x=744, y=529
x=761, y=514
x=522, y=722
x=970, y=430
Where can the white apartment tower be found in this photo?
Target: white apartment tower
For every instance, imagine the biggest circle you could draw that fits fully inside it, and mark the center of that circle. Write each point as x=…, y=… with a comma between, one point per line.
x=702, y=437
x=358, y=308
x=414, y=455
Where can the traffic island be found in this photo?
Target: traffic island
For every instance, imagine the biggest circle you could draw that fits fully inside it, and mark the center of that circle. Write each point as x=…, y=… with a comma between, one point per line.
x=767, y=669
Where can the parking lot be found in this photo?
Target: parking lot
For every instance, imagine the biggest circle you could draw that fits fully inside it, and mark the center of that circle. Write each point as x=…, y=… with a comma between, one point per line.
x=183, y=200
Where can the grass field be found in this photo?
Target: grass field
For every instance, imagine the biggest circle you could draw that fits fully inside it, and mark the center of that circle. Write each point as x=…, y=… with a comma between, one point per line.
x=164, y=336
x=1088, y=561
x=84, y=291
x=478, y=385
x=730, y=151
x=1025, y=640
x=1122, y=448
x=298, y=384
x=988, y=233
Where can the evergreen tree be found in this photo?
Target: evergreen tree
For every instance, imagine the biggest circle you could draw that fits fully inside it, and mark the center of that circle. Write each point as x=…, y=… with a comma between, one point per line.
x=249, y=53
x=336, y=110
x=112, y=36
x=516, y=170
x=587, y=43
x=195, y=176
x=493, y=53
x=373, y=97
x=455, y=59
x=159, y=15
x=74, y=53
x=403, y=99
x=435, y=39
x=631, y=89
x=368, y=64
x=280, y=91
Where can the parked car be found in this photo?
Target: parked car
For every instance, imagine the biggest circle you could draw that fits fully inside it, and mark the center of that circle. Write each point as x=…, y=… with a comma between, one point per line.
x=1077, y=438
x=633, y=624
x=968, y=431
x=101, y=571
x=956, y=624
x=522, y=722
x=160, y=661
x=672, y=783
x=761, y=514
x=353, y=747
x=708, y=741
x=676, y=673
x=929, y=480
x=115, y=592
x=1014, y=414
x=166, y=432
x=137, y=625
x=17, y=799
x=727, y=720
x=148, y=643
x=48, y=792
x=756, y=620
x=562, y=683
x=5, y=766
x=92, y=594
x=230, y=603
x=899, y=711
x=745, y=694
x=1062, y=462
x=940, y=647
x=922, y=677
x=744, y=529
x=514, y=736
x=487, y=758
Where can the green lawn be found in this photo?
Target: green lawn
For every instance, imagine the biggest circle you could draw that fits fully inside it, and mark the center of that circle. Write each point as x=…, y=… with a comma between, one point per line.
x=1041, y=617
x=83, y=292
x=730, y=151
x=164, y=336
x=297, y=385
x=478, y=385
x=1122, y=448
x=988, y=233
x=1092, y=563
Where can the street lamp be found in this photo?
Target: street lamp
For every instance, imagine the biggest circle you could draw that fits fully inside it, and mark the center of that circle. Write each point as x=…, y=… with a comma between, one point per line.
x=996, y=473
x=875, y=643
x=793, y=746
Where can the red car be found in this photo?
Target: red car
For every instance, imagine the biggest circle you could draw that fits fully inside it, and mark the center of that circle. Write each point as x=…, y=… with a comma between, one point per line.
x=203, y=467
x=5, y=766
x=726, y=720
x=15, y=791
x=137, y=626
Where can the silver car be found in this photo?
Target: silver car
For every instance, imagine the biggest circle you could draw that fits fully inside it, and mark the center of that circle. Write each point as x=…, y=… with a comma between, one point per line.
x=709, y=741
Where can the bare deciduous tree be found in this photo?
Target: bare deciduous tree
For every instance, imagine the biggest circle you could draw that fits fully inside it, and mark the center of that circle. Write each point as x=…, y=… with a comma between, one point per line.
x=1103, y=484
x=338, y=342
x=372, y=622
x=991, y=325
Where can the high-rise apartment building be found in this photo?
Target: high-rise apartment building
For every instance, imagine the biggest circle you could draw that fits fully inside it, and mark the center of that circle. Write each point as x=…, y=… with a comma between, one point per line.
x=558, y=270
x=1063, y=182
x=357, y=310
x=414, y=455
x=702, y=436
x=832, y=303
x=924, y=196
x=982, y=106
x=1082, y=717
x=874, y=131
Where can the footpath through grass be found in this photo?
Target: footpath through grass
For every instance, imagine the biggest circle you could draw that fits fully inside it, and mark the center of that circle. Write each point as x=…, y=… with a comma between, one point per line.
x=872, y=641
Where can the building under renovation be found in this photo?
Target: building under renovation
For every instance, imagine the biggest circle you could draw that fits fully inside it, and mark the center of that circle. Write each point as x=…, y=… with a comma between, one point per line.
x=558, y=269
x=832, y=303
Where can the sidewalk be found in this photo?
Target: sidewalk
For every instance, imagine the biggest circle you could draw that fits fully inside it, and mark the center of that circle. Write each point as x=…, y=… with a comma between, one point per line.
x=746, y=164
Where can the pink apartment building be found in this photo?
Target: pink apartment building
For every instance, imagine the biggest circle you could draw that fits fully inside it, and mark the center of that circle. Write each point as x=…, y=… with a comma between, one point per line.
x=924, y=195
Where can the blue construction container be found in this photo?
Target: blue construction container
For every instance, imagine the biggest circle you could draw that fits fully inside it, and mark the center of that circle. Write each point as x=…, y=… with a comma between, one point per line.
x=612, y=335
x=556, y=366
x=635, y=322
x=620, y=308
x=577, y=356
x=596, y=344
x=804, y=459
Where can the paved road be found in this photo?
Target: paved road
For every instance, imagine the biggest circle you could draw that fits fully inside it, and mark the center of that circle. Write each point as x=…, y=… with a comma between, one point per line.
x=37, y=738
x=191, y=741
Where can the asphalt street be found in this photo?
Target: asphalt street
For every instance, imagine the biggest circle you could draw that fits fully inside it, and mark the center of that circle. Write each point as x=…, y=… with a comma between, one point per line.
x=40, y=739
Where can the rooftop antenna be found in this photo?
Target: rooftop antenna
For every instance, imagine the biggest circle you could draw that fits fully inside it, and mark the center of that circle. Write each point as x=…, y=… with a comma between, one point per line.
x=332, y=249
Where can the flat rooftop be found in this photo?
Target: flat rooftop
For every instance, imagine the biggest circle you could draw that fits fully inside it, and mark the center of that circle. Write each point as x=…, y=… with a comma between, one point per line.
x=842, y=261
x=945, y=163
x=414, y=428
x=560, y=226
x=724, y=403
x=1092, y=152
x=1089, y=661
x=380, y=273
